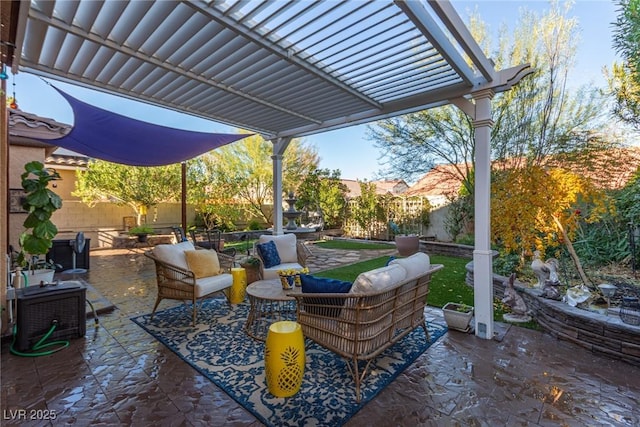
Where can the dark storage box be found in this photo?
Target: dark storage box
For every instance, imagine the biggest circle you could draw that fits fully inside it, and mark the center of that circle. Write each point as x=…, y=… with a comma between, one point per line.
x=38, y=308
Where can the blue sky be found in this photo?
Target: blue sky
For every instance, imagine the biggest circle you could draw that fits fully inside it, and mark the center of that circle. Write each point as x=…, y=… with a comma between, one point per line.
x=346, y=149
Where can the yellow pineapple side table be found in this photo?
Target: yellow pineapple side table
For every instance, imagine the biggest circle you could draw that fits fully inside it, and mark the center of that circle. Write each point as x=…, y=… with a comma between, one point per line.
x=284, y=358
x=239, y=287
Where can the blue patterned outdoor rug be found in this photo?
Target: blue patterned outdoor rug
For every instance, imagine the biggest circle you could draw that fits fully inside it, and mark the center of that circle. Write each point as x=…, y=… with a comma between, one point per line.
x=219, y=349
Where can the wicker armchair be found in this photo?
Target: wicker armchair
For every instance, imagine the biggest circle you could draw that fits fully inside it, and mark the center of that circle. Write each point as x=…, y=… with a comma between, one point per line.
x=177, y=282
x=360, y=326
x=294, y=254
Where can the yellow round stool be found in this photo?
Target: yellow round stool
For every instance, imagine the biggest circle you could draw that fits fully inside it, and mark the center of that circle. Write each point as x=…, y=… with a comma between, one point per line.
x=239, y=287
x=284, y=358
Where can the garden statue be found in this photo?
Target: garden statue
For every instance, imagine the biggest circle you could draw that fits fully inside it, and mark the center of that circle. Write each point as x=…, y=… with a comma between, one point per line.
x=519, y=310
x=544, y=270
x=577, y=295
x=551, y=288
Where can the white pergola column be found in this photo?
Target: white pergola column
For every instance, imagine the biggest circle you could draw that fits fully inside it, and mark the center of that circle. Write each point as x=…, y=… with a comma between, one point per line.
x=279, y=147
x=482, y=256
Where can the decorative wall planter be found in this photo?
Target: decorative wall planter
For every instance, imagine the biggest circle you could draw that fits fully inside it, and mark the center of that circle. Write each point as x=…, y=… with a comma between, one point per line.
x=458, y=316
x=407, y=245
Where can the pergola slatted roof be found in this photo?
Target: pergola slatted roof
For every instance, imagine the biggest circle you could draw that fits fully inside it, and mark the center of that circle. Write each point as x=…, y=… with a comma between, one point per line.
x=281, y=68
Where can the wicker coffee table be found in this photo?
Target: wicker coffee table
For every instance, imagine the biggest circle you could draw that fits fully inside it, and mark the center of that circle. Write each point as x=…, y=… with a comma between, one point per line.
x=269, y=303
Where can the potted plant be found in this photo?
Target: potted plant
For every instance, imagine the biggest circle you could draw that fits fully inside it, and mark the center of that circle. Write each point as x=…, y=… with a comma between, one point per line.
x=251, y=265
x=407, y=244
x=141, y=231
x=458, y=316
x=37, y=238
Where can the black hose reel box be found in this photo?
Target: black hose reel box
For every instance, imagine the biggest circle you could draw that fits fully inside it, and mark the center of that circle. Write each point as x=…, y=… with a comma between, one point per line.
x=38, y=308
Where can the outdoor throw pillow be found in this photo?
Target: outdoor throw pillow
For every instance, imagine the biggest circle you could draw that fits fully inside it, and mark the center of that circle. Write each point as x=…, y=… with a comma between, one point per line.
x=379, y=279
x=286, y=245
x=323, y=285
x=312, y=284
x=203, y=263
x=416, y=265
x=173, y=254
x=269, y=254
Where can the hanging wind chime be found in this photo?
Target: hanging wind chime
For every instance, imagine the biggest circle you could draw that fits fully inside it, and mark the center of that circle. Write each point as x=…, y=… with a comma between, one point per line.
x=12, y=102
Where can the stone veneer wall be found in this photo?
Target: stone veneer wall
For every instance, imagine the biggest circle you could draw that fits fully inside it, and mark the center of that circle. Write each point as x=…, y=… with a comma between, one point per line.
x=447, y=249
x=607, y=335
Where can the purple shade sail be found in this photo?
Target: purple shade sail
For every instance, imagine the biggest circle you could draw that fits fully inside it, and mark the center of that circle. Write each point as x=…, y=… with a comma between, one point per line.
x=109, y=136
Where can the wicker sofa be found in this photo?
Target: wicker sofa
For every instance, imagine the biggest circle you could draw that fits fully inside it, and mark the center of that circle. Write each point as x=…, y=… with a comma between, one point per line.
x=382, y=306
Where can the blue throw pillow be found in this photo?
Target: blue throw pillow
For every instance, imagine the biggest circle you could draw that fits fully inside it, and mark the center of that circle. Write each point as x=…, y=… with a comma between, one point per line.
x=323, y=285
x=323, y=306
x=269, y=254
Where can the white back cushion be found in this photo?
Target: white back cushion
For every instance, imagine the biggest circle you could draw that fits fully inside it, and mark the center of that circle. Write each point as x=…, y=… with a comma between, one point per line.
x=286, y=245
x=174, y=254
x=415, y=265
x=378, y=279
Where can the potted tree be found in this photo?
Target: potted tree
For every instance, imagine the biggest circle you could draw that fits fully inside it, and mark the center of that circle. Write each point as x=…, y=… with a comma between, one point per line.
x=37, y=238
x=458, y=316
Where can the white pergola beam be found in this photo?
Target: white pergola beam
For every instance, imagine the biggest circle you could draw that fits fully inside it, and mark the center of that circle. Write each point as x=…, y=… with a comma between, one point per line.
x=461, y=33
x=417, y=13
x=279, y=147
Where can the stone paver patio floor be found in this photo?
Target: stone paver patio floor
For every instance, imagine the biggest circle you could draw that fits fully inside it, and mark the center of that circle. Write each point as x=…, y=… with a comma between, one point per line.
x=120, y=375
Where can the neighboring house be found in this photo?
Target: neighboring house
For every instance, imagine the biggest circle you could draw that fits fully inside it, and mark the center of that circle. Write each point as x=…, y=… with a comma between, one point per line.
x=443, y=182
x=394, y=187
x=611, y=173
x=438, y=185
x=101, y=223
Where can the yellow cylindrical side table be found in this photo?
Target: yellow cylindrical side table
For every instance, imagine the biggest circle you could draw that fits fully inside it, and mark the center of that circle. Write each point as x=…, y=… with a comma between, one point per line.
x=284, y=358
x=239, y=287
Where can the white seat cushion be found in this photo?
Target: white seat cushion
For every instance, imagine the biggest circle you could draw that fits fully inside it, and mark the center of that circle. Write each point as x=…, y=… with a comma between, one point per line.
x=174, y=254
x=416, y=265
x=272, y=273
x=208, y=285
x=379, y=279
x=286, y=245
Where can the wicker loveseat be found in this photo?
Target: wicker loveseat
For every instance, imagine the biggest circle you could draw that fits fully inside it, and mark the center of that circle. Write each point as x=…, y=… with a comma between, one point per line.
x=184, y=272
x=382, y=307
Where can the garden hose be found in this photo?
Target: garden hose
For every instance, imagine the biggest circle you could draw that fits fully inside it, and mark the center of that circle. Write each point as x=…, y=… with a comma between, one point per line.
x=95, y=315
x=40, y=344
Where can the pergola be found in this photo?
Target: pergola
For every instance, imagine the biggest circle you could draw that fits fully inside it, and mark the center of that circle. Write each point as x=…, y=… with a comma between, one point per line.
x=280, y=68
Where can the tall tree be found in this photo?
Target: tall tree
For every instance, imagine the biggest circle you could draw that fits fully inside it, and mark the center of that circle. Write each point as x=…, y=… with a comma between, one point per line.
x=322, y=191
x=538, y=117
x=366, y=209
x=137, y=187
x=534, y=208
x=624, y=80
x=241, y=174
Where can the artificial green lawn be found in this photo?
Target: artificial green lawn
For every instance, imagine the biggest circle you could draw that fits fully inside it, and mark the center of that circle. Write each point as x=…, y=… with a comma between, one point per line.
x=447, y=285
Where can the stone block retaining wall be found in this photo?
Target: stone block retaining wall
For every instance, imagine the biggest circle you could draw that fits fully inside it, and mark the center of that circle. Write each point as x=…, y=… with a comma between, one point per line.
x=599, y=333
